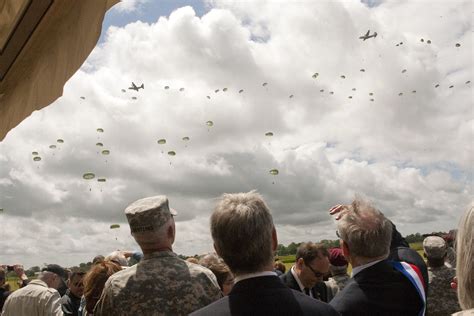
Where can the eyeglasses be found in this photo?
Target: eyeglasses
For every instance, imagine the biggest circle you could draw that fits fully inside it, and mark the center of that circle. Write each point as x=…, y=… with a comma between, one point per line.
x=316, y=273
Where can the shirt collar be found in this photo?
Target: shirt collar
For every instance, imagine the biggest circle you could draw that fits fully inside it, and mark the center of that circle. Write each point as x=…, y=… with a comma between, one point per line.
x=364, y=266
x=38, y=282
x=297, y=279
x=254, y=275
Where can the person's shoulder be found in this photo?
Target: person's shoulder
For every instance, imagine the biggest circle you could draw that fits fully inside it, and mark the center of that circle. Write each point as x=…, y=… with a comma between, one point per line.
x=219, y=307
x=469, y=312
x=312, y=306
x=196, y=269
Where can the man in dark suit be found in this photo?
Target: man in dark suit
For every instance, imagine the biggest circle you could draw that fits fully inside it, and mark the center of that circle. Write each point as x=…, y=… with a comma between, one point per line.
x=378, y=286
x=244, y=236
x=306, y=275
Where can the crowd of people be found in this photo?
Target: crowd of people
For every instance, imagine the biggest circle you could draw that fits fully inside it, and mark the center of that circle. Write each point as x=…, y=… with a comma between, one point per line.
x=243, y=278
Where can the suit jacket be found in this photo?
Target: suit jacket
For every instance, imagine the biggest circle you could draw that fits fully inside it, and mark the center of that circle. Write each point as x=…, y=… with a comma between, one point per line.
x=265, y=295
x=378, y=290
x=319, y=291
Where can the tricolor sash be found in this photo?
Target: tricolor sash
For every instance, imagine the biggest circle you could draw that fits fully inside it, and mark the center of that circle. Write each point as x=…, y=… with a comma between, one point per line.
x=413, y=274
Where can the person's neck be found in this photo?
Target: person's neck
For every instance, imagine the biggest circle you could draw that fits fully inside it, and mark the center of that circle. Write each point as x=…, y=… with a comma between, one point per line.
x=148, y=251
x=266, y=268
x=360, y=261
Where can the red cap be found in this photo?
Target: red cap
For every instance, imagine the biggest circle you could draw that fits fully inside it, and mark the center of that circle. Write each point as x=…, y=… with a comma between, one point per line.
x=336, y=257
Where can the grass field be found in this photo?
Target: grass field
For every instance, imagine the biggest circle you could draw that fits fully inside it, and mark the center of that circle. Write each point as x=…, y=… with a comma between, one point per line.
x=289, y=261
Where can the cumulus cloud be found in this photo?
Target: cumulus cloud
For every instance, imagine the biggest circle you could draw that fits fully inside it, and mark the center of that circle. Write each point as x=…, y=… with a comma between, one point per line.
x=410, y=154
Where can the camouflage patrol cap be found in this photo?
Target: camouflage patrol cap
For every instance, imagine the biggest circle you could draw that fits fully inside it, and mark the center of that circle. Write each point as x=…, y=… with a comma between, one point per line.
x=148, y=214
x=434, y=247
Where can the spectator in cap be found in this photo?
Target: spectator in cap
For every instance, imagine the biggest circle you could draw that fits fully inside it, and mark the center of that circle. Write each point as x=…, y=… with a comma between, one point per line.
x=161, y=283
x=307, y=274
x=378, y=286
x=71, y=301
x=338, y=267
x=244, y=236
x=40, y=296
x=441, y=299
x=465, y=263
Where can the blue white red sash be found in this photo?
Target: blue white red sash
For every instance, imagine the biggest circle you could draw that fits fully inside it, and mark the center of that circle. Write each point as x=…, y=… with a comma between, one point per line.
x=414, y=275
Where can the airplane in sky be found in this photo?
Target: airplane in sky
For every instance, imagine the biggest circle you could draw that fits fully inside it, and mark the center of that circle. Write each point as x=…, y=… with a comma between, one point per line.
x=366, y=36
x=134, y=87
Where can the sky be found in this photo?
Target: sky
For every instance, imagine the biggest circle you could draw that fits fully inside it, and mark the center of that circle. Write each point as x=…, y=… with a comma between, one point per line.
x=375, y=118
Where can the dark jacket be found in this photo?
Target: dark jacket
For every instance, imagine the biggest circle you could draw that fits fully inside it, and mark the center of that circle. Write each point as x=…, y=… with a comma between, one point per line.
x=3, y=297
x=319, y=291
x=265, y=295
x=70, y=304
x=378, y=290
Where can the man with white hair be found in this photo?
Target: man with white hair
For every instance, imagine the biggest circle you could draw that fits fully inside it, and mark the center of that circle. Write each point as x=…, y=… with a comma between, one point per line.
x=40, y=297
x=378, y=286
x=244, y=236
x=161, y=283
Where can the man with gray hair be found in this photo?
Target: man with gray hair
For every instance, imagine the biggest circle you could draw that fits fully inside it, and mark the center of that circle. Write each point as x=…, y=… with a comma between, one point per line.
x=40, y=297
x=244, y=236
x=442, y=299
x=161, y=283
x=378, y=286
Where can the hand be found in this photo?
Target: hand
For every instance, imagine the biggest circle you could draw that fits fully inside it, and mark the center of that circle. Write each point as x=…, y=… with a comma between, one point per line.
x=338, y=210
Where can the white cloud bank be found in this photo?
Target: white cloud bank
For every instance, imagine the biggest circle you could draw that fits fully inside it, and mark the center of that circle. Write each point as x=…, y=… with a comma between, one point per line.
x=410, y=154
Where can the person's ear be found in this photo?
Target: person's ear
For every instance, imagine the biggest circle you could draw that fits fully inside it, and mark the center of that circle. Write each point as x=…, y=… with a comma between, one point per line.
x=274, y=239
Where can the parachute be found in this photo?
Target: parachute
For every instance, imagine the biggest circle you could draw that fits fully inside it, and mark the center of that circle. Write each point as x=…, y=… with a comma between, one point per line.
x=208, y=97
x=400, y=94
x=437, y=85
x=172, y=153
x=217, y=90
x=210, y=123
x=60, y=141
x=161, y=141
x=105, y=152
x=264, y=84
x=83, y=98
x=225, y=89
x=315, y=75
x=134, y=98
x=101, y=179
x=100, y=130
x=458, y=45
x=181, y=89
x=88, y=176
x=291, y=96
x=450, y=87
x=99, y=144
x=362, y=70
x=37, y=158
x=123, y=90
x=269, y=134
x=428, y=41
x=34, y=153
x=343, y=77
x=52, y=146
x=354, y=89
x=186, y=138
x=403, y=71
x=332, y=92
x=114, y=226
x=241, y=90
x=274, y=172
x=167, y=87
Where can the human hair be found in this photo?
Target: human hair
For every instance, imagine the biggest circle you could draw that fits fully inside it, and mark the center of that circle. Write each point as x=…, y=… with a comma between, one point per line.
x=118, y=258
x=365, y=230
x=192, y=260
x=217, y=266
x=309, y=251
x=98, y=259
x=464, y=262
x=73, y=274
x=94, y=282
x=279, y=266
x=241, y=227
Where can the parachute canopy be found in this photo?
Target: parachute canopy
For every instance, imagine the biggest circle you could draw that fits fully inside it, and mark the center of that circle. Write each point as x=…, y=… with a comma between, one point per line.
x=269, y=134
x=181, y=89
x=167, y=87
x=274, y=172
x=225, y=89
x=186, y=138
x=315, y=75
x=83, y=98
x=291, y=96
x=114, y=226
x=60, y=141
x=88, y=175
x=403, y=71
x=37, y=158
x=52, y=146
x=241, y=90
x=343, y=77
x=264, y=84
x=172, y=153
x=161, y=141
x=99, y=144
x=105, y=152
x=34, y=153
x=101, y=180
x=458, y=45
x=100, y=130
x=210, y=123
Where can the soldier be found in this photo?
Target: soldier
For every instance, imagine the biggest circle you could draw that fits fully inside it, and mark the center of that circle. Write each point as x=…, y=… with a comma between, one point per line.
x=441, y=298
x=338, y=267
x=161, y=283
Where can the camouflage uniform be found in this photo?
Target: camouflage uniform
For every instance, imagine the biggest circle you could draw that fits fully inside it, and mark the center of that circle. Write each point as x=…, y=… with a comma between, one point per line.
x=161, y=283
x=336, y=283
x=442, y=299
